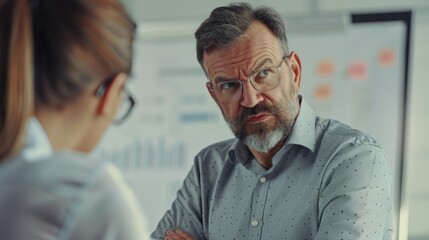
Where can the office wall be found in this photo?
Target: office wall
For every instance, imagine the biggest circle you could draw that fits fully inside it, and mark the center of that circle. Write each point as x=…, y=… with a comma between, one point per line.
x=416, y=192
x=417, y=177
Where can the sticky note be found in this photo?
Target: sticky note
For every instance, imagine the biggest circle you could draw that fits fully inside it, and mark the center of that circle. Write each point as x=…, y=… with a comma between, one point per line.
x=386, y=57
x=322, y=92
x=325, y=68
x=358, y=70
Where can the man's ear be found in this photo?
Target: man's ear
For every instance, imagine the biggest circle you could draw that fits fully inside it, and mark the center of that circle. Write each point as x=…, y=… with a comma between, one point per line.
x=208, y=86
x=111, y=98
x=295, y=66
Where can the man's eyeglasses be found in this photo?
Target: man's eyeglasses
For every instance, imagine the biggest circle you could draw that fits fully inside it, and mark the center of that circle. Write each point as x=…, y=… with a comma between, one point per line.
x=126, y=105
x=230, y=91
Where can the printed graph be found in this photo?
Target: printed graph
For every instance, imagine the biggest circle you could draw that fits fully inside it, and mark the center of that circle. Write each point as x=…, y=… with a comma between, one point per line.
x=144, y=154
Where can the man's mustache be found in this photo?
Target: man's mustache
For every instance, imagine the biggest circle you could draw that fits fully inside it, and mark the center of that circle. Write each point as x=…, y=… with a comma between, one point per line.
x=261, y=107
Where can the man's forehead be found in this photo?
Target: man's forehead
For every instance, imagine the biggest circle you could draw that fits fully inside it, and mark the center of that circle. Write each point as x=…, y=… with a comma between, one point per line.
x=227, y=62
x=258, y=40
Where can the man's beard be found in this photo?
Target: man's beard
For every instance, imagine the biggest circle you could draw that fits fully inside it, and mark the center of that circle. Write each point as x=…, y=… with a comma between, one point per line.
x=263, y=136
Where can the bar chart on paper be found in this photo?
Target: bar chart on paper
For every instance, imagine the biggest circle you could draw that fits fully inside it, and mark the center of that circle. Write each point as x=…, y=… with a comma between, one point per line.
x=145, y=154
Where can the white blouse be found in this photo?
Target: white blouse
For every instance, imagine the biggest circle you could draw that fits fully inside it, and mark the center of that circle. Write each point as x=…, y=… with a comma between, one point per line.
x=36, y=145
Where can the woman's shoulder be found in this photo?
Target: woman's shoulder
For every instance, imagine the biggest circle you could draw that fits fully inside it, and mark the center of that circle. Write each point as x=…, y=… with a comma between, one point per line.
x=73, y=190
x=67, y=171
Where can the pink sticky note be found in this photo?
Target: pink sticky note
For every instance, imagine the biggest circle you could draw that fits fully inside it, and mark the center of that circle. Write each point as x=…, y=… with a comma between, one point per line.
x=322, y=92
x=325, y=68
x=358, y=70
x=386, y=57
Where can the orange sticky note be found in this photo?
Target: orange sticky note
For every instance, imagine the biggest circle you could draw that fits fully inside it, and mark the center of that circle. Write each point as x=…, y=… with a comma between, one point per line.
x=325, y=68
x=322, y=92
x=358, y=70
x=386, y=57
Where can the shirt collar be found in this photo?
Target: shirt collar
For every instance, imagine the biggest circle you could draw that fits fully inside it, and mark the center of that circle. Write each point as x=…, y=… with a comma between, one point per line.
x=304, y=130
x=36, y=144
x=240, y=151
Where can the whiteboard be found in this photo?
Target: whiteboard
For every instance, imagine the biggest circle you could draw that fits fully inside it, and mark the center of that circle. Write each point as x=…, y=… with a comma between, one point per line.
x=354, y=74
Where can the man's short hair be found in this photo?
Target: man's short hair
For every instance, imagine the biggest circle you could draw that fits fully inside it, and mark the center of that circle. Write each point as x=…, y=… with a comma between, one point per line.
x=227, y=24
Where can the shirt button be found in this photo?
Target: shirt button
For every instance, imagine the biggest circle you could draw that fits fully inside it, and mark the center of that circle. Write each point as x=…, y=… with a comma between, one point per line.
x=263, y=179
x=255, y=223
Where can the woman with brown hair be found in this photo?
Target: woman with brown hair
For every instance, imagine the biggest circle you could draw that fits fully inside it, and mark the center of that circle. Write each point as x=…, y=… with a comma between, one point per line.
x=63, y=68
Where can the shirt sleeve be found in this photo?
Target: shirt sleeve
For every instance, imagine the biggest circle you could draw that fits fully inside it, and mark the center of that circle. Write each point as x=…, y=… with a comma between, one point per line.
x=186, y=211
x=356, y=195
x=106, y=210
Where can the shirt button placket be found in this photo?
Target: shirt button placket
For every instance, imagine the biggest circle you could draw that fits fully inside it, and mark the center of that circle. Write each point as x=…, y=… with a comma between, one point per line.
x=259, y=197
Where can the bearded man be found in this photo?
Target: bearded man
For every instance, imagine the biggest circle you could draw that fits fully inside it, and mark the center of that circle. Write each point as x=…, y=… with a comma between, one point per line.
x=288, y=174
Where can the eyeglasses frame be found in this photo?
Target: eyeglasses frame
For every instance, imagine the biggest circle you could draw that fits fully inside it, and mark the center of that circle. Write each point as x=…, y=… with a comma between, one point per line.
x=242, y=82
x=101, y=91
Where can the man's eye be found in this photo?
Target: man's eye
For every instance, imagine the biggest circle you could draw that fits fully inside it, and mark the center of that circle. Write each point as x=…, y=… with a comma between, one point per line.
x=263, y=74
x=229, y=85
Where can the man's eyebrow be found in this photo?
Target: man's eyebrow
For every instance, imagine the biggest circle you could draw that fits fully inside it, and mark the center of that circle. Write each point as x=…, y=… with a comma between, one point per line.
x=257, y=69
x=223, y=79
x=260, y=65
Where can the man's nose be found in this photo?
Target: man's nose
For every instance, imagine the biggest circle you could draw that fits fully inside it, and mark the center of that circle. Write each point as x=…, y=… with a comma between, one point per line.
x=250, y=96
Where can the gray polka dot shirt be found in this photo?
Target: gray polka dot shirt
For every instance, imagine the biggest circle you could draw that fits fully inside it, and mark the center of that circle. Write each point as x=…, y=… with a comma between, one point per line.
x=327, y=182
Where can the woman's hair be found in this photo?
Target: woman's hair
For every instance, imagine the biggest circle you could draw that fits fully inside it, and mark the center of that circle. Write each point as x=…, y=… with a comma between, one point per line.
x=226, y=25
x=51, y=51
